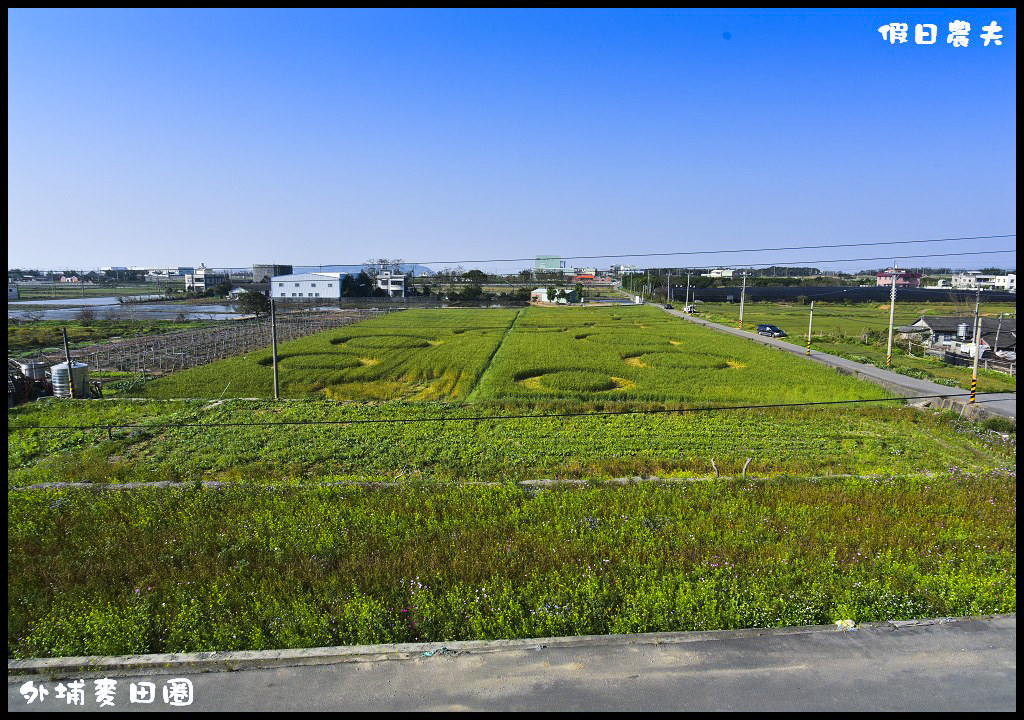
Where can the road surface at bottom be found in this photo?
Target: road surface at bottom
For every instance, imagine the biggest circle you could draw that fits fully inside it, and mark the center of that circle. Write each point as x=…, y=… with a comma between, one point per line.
x=965, y=664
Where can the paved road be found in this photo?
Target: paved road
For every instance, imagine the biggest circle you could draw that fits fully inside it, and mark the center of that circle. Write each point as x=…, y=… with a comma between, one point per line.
x=932, y=666
x=1002, y=404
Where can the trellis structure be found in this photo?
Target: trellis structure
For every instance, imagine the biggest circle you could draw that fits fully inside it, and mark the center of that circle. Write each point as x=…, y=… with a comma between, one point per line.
x=188, y=348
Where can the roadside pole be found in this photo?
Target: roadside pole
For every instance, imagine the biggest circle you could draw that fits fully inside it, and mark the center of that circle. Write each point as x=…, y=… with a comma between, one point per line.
x=977, y=345
x=892, y=315
x=999, y=326
x=273, y=340
x=67, y=355
x=668, y=288
x=687, y=301
x=743, y=295
x=810, y=324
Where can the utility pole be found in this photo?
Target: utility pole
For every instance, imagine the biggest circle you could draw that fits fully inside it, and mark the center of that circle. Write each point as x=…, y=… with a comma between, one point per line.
x=892, y=315
x=668, y=288
x=810, y=324
x=977, y=345
x=743, y=295
x=687, y=303
x=67, y=355
x=999, y=326
x=273, y=340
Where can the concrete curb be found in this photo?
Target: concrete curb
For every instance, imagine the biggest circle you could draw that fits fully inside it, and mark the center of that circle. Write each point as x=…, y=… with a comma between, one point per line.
x=54, y=668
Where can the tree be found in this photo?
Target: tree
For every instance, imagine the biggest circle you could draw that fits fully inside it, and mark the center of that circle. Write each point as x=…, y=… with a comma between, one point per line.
x=86, y=315
x=253, y=303
x=477, y=277
x=363, y=285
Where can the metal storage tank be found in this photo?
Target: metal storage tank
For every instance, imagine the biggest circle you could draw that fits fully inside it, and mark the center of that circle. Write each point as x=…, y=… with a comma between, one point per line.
x=961, y=331
x=33, y=370
x=61, y=384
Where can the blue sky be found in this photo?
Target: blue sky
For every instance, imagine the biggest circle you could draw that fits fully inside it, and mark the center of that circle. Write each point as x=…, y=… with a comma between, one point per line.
x=316, y=137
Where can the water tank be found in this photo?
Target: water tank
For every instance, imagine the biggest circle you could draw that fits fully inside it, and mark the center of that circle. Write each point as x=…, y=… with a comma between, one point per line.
x=33, y=370
x=61, y=383
x=961, y=331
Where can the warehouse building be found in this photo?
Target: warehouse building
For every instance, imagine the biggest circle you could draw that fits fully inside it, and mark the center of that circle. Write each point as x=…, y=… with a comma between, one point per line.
x=306, y=285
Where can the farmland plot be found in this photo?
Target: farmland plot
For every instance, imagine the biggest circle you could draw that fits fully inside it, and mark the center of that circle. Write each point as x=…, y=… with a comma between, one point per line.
x=536, y=354
x=414, y=355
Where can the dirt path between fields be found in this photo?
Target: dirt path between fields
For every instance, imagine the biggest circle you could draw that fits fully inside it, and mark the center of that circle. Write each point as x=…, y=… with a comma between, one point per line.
x=490, y=361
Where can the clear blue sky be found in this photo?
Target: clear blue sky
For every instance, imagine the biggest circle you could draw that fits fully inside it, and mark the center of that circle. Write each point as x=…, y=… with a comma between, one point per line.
x=313, y=137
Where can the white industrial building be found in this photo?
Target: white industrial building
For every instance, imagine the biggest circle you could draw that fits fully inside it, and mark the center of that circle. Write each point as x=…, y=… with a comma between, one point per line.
x=204, y=279
x=307, y=285
x=391, y=283
x=974, y=280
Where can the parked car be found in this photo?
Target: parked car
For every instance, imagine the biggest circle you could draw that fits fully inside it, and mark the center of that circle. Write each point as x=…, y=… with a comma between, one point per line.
x=670, y=306
x=770, y=331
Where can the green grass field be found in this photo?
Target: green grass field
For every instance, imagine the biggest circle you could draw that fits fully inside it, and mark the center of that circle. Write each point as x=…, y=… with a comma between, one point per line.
x=627, y=354
x=839, y=330
x=92, y=573
x=380, y=503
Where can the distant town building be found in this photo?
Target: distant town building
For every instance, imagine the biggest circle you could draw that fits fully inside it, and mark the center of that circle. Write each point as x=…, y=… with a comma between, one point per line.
x=956, y=334
x=624, y=269
x=238, y=290
x=549, y=263
x=306, y=285
x=204, y=279
x=391, y=283
x=719, y=273
x=902, y=278
x=540, y=295
x=974, y=280
x=263, y=273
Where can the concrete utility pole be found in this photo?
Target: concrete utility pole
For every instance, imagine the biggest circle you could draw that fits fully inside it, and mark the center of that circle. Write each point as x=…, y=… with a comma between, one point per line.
x=687, y=302
x=810, y=324
x=67, y=355
x=668, y=287
x=743, y=295
x=273, y=340
x=999, y=326
x=977, y=345
x=892, y=315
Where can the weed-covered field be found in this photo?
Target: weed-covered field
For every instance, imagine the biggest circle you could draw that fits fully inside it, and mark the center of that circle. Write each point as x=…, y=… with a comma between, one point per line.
x=380, y=501
x=812, y=441
x=533, y=354
x=29, y=338
x=841, y=330
x=244, y=568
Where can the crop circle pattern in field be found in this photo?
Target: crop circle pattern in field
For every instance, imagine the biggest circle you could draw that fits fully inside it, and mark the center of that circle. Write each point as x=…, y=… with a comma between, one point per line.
x=633, y=339
x=383, y=342
x=685, y=361
x=312, y=361
x=569, y=381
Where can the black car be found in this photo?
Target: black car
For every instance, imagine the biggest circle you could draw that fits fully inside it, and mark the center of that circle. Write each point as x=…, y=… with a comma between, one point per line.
x=770, y=331
x=669, y=306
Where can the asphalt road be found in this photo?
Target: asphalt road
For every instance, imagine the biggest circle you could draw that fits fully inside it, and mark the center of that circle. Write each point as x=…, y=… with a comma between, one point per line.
x=966, y=665
x=1002, y=404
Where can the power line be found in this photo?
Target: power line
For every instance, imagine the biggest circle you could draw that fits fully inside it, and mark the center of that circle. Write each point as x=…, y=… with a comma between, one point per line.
x=671, y=254
x=654, y=411
x=718, y=252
